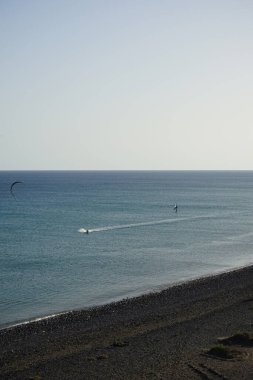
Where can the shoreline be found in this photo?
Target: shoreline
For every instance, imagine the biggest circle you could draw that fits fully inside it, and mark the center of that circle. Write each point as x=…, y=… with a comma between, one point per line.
x=139, y=294
x=160, y=333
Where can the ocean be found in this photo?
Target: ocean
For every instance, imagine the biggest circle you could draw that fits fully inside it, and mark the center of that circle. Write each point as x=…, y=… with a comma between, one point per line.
x=137, y=242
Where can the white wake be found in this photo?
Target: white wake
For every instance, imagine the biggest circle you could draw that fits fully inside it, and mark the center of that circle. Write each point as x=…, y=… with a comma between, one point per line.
x=151, y=223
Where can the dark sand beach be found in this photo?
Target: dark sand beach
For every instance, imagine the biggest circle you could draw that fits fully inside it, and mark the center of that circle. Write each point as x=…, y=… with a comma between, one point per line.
x=165, y=335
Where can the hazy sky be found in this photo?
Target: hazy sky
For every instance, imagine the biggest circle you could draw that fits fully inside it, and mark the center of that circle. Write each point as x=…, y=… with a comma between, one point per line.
x=126, y=84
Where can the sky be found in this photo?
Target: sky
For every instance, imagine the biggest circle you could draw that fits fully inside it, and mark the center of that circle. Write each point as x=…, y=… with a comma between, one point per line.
x=126, y=85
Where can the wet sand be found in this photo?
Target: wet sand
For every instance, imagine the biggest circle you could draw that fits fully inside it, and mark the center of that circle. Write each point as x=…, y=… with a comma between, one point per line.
x=163, y=335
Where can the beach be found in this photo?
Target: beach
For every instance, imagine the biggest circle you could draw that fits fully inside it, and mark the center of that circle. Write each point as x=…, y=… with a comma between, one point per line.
x=162, y=335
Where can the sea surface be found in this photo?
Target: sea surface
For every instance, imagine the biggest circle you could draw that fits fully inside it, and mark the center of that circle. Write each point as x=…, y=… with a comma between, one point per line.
x=136, y=243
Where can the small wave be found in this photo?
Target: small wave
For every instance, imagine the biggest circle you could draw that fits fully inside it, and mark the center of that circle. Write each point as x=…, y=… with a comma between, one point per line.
x=241, y=236
x=33, y=320
x=152, y=223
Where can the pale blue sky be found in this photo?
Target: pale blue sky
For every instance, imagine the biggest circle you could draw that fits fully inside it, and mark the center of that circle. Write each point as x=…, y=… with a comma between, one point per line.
x=126, y=84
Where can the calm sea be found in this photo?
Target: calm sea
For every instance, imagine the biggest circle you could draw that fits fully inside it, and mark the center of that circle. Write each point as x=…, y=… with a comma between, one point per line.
x=137, y=242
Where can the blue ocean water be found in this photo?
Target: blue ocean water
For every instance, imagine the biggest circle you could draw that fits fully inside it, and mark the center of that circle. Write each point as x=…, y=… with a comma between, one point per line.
x=137, y=242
